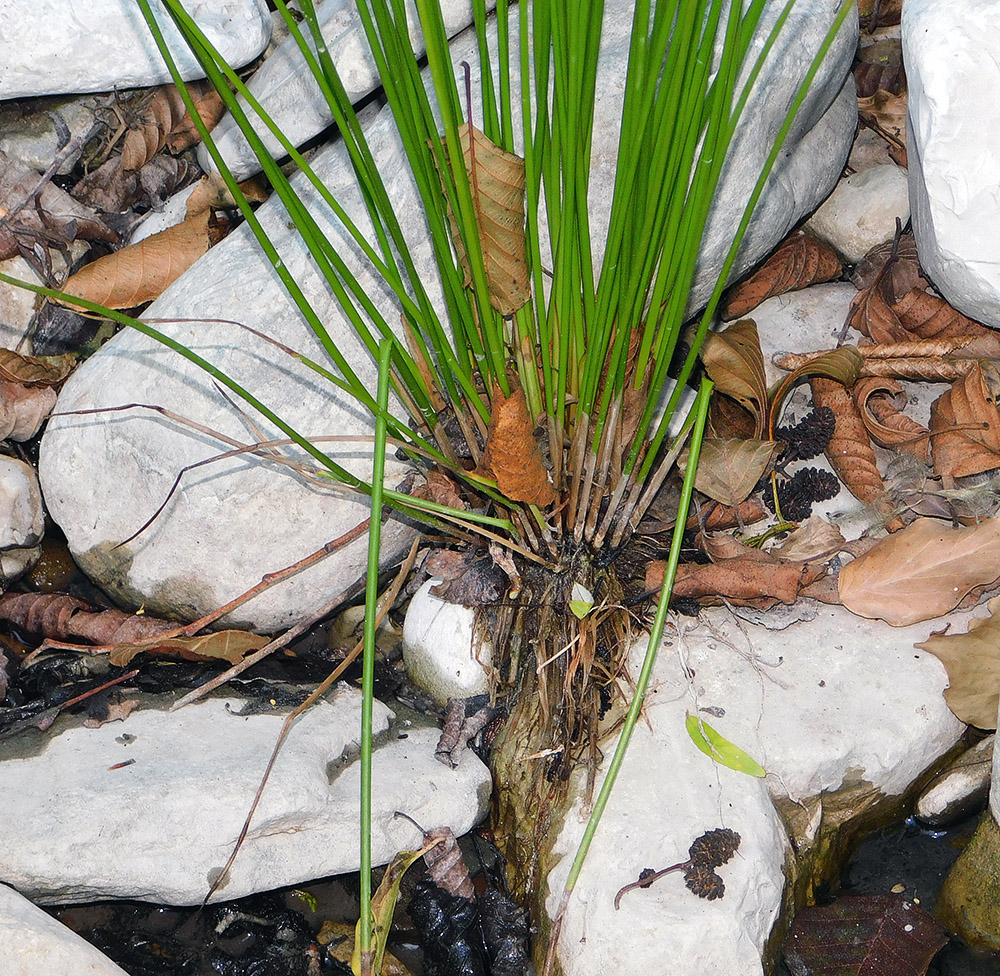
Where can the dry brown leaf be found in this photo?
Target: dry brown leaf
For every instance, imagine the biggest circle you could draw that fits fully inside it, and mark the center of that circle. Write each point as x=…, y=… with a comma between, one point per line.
x=151, y=118
x=800, y=260
x=728, y=468
x=934, y=360
x=871, y=313
x=879, y=402
x=35, y=370
x=903, y=274
x=210, y=107
x=926, y=316
x=497, y=181
x=886, y=113
x=116, y=712
x=723, y=517
x=921, y=572
x=61, y=617
x=880, y=66
x=735, y=364
x=23, y=409
x=814, y=539
x=512, y=457
x=972, y=661
x=441, y=489
x=38, y=214
x=747, y=580
x=849, y=451
x=970, y=404
x=140, y=272
x=224, y=645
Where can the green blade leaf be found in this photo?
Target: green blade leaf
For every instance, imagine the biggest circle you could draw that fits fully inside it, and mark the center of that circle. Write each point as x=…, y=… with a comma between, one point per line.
x=720, y=749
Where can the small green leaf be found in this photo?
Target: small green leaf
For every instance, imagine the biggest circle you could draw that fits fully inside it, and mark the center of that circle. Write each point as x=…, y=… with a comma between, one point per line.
x=720, y=748
x=582, y=600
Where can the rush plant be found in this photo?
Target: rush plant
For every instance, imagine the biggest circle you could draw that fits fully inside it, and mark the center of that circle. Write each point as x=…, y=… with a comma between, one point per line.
x=537, y=383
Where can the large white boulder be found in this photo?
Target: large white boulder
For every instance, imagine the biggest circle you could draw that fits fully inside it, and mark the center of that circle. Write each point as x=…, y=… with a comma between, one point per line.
x=49, y=47
x=33, y=943
x=77, y=828
x=232, y=523
x=952, y=56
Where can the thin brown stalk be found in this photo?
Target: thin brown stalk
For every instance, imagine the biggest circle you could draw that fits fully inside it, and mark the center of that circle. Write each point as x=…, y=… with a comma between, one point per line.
x=609, y=439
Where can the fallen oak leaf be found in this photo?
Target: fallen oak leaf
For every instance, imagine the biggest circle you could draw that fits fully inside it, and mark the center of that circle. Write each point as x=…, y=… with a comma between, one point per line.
x=921, y=572
x=972, y=661
x=800, y=260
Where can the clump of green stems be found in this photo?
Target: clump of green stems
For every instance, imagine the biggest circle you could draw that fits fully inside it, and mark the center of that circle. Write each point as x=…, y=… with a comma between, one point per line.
x=590, y=337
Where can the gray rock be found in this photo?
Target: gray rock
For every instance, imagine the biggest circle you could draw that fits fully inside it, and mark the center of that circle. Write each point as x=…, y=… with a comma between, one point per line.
x=50, y=47
x=952, y=56
x=22, y=518
x=36, y=135
x=159, y=829
x=286, y=90
x=33, y=943
x=861, y=212
x=959, y=790
x=198, y=553
x=822, y=705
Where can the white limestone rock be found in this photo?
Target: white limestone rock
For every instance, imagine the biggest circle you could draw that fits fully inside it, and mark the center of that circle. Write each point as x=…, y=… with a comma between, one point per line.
x=160, y=829
x=33, y=943
x=199, y=552
x=34, y=135
x=822, y=704
x=861, y=212
x=441, y=649
x=287, y=91
x=959, y=790
x=50, y=47
x=22, y=518
x=952, y=56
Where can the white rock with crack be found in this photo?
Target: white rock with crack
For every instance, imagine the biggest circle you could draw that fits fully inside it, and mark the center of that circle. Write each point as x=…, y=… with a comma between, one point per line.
x=161, y=828
x=862, y=211
x=232, y=523
x=33, y=943
x=49, y=47
x=952, y=56
x=442, y=651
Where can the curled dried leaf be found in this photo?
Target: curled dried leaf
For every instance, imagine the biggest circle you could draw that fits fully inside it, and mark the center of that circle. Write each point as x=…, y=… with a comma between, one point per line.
x=878, y=401
x=512, y=457
x=965, y=422
x=927, y=316
x=799, y=261
x=849, y=451
x=735, y=364
x=152, y=117
x=225, y=645
x=814, y=539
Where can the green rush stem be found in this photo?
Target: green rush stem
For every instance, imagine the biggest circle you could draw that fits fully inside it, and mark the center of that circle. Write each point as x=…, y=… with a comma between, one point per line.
x=368, y=672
